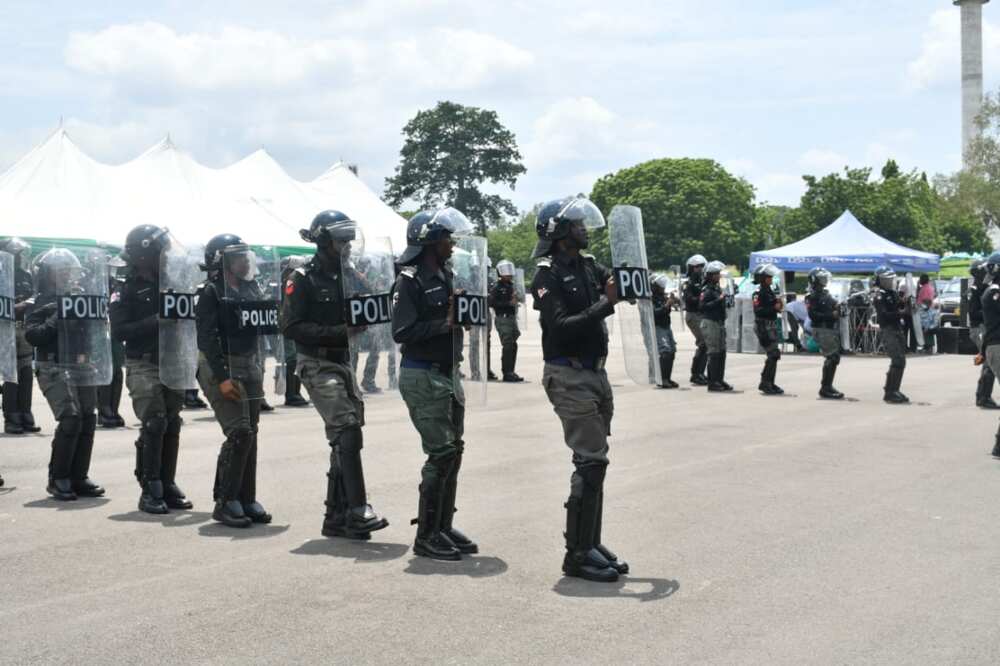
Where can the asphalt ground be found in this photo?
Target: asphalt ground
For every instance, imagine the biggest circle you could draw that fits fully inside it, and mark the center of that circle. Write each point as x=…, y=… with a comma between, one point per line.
x=760, y=530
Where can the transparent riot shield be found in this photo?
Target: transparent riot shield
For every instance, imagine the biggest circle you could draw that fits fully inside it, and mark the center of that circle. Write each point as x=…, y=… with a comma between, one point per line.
x=84, y=330
x=522, y=303
x=368, y=278
x=734, y=316
x=179, y=279
x=250, y=309
x=636, y=326
x=8, y=335
x=911, y=296
x=748, y=344
x=469, y=266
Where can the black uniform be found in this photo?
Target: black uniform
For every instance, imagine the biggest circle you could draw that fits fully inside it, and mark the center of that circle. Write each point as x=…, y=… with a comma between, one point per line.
x=691, y=295
x=569, y=292
x=974, y=296
x=889, y=311
x=824, y=313
x=17, y=396
x=766, y=305
x=714, y=303
x=503, y=300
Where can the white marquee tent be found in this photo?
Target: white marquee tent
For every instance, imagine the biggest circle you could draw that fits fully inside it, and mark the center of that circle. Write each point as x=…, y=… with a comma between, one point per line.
x=57, y=191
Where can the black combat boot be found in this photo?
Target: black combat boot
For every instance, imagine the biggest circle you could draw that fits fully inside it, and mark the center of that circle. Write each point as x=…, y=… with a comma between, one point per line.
x=698, y=364
x=996, y=445
x=293, y=387
x=82, y=484
x=618, y=565
x=231, y=465
x=335, y=520
x=12, y=423
x=722, y=372
x=64, y=441
x=767, y=385
x=464, y=544
x=826, y=389
x=430, y=542
x=715, y=373
x=359, y=515
x=25, y=384
x=667, y=369
x=172, y=493
x=151, y=499
x=893, y=379
x=252, y=509
x=984, y=389
x=583, y=559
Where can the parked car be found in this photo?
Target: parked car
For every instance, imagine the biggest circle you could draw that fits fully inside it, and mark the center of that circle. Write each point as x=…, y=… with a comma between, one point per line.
x=949, y=294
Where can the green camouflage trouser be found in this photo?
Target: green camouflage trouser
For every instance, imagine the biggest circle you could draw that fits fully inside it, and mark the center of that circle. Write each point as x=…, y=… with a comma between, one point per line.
x=828, y=340
x=333, y=390
x=714, y=334
x=149, y=396
x=437, y=409
x=233, y=415
x=65, y=400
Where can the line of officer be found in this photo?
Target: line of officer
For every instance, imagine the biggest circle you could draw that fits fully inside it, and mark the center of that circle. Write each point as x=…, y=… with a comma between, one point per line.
x=767, y=305
x=713, y=307
x=691, y=295
x=666, y=345
x=974, y=297
x=17, y=415
x=423, y=323
x=889, y=311
x=231, y=375
x=503, y=298
x=991, y=325
x=824, y=313
x=313, y=317
x=574, y=295
x=58, y=272
x=135, y=323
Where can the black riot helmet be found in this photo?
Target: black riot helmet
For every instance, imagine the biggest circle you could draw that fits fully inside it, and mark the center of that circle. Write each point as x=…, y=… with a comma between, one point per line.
x=213, y=251
x=56, y=271
x=765, y=270
x=144, y=244
x=20, y=248
x=993, y=265
x=556, y=217
x=330, y=225
x=429, y=226
x=819, y=278
x=977, y=269
x=885, y=277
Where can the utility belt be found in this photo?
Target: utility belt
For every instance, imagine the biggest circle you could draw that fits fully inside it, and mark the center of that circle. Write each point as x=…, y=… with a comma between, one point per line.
x=414, y=364
x=332, y=354
x=579, y=362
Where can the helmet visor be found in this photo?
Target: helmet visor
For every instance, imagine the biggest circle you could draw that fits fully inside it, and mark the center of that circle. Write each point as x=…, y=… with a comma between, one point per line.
x=453, y=221
x=583, y=211
x=240, y=261
x=505, y=268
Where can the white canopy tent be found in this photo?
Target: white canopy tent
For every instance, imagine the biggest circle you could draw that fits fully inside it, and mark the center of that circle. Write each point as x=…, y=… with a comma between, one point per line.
x=57, y=191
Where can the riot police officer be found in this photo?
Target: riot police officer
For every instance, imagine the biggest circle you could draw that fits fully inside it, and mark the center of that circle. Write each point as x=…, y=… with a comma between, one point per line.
x=713, y=306
x=889, y=311
x=74, y=406
x=423, y=323
x=503, y=299
x=293, y=385
x=767, y=305
x=313, y=316
x=974, y=297
x=691, y=294
x=574, y=295
x=109, y=398
x=231, y=375
x=17, y=414
x=824, y=313
x=135, y=323
x=991, y=325
x=666, y=345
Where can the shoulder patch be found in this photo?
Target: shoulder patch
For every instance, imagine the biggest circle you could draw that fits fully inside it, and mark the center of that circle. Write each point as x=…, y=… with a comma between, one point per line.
x=409, y=271
x=587, y=255
x=544, y=262
x=301, y=270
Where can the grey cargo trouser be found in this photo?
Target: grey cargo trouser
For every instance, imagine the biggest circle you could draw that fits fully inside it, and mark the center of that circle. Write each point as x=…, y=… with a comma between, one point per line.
x=714, y=334
x=583, y=401
x=333, y=390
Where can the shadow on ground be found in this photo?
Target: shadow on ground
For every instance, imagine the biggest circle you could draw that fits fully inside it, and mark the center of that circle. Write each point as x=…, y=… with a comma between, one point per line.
x=474, y=566
x=359, y=551
x=73, y=505
x=626, y=587
x=172, y=519
x=241, y=533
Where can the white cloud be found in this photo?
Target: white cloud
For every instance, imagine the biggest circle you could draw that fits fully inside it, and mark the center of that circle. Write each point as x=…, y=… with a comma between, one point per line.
x=822, y=161
x=574, y=128
x=939, y=61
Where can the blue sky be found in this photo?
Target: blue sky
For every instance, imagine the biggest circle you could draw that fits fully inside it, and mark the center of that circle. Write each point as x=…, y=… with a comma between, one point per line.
x=771, y=89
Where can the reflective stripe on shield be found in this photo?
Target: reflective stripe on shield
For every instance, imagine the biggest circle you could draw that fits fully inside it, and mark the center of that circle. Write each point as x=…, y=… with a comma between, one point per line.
x=83, y=325
x=637, y=328
x=180, y=277
x=469, y=264
x=368, y=277
x=8, y=340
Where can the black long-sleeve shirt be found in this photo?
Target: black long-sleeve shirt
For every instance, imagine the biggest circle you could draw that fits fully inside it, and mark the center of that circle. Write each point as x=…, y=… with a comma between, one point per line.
x=888, y=309
x=313, y=310
x=420, y=316
x=41, y=326
x=691, y=294
x=220, y=334
x=975, y=298
x=503, y=298
x=24, y=288
x=991, y=315
x=569, y=292
x=713, y=302
x=134, y=308
x=765, y=303
x=661, y=310
x=823, y=309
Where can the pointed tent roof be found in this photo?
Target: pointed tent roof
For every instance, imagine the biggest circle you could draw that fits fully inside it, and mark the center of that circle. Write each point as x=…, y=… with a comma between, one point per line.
x=346, y=192
x=846, y=246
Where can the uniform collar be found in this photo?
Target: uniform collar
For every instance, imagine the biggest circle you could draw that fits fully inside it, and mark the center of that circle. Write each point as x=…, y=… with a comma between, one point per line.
x=426, y=273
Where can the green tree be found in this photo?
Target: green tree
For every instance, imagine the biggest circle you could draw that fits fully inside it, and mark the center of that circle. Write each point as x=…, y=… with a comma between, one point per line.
x=688, y=206
x=515, y=241
x=449, y=152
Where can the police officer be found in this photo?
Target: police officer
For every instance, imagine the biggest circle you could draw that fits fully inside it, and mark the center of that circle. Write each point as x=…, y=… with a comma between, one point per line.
x=74, y=407
x=713, y=305
x=231, y=375
x=313, y=316
x=666, y=346
x=974, y=296
x=574, y=295
x=767, y=305
x=423, y=324
x=135, y=324
x=109, y=398
x=991, y=325
x=824, y=313
x=691, y=294
x=17, y=414
x=889, y=311
x=293, y=385
x=503, y=298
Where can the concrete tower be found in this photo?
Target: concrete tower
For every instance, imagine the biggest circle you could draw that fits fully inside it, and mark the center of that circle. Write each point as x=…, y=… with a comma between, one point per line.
x=972, y=67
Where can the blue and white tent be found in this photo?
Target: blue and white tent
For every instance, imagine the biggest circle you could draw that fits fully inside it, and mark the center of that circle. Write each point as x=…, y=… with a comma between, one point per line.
x=846, y=246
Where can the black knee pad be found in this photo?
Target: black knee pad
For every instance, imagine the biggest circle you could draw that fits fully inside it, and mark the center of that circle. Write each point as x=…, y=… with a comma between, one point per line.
x=898, y=362
x=589, y=474
x=71, y=426
x=833, y=360
x=155, y=426
x=241, y=439
x=88, y=424
x=349, y=441
x=174, y=424
x=774, y=354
